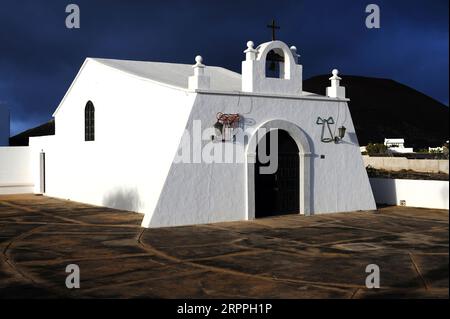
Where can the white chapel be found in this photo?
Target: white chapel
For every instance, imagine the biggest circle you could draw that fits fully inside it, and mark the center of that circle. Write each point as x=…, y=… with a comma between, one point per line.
x=190, y=144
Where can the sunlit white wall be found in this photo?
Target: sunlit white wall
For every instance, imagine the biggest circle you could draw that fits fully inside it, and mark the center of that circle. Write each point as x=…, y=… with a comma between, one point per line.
x=16, y=175
x=138, y=126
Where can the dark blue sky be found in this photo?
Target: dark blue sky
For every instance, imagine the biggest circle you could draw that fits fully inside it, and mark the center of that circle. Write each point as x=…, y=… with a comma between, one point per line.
x=39, y=57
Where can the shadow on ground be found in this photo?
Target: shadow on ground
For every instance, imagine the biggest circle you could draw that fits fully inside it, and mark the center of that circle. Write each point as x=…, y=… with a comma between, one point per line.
x=291, y=256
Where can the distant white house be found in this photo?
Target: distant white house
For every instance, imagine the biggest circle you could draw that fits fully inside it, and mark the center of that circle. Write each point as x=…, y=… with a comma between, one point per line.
x=397, y=145
x=4, y=126
x=439, y=149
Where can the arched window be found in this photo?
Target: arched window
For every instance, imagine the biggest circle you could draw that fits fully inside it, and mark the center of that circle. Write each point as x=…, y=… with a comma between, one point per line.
x=89, y=122
x=275, y=64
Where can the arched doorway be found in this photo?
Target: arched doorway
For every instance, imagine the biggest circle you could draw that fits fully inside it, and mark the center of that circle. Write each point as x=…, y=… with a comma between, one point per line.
x=277, y=193
x=302, y=143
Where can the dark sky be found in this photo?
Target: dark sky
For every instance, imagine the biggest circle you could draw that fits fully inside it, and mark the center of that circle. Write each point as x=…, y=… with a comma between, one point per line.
x=39, y=56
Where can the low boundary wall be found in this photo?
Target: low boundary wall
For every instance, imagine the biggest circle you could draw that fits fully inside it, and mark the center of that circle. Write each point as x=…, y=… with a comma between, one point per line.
x=15, y=170
x=411, y=192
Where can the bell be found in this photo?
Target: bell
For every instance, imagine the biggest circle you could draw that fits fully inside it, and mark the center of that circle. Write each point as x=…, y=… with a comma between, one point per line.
x=272, y=66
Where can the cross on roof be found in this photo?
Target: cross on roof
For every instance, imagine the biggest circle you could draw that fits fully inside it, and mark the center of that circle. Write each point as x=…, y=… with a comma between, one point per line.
x=274, y=27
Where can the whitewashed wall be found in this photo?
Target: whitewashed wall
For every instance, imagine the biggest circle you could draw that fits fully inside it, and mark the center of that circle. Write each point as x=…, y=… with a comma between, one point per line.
x=202, y=193
x=4, y=126
x=138, y=125
x=416, y=193
x=401, y=163
x=15, y=170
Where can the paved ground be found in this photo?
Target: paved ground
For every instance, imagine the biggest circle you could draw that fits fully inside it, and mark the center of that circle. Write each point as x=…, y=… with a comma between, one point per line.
x=282, y=257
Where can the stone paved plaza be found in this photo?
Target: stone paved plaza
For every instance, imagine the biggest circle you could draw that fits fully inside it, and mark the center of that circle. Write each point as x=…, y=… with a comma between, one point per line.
x=291, y=256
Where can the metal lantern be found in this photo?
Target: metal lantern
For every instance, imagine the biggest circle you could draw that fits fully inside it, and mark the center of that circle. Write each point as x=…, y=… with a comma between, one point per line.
x=341, y=132
x=219, y=128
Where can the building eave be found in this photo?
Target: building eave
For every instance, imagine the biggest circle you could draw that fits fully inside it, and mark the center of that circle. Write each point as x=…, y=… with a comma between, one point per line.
x=272, y=95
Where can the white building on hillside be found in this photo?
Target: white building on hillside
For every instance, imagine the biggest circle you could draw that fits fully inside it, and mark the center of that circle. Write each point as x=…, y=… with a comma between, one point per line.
x=397, y=145
x=185, y=144
x=439, y=149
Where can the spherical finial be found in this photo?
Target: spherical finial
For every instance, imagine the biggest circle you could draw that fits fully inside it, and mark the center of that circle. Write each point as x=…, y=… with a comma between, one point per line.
x=335, y=72
x=293, y=48
x=199, y=59
x=250, y=44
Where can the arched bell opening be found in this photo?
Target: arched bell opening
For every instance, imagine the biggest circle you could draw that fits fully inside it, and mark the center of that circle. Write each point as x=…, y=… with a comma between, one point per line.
x=275, y=64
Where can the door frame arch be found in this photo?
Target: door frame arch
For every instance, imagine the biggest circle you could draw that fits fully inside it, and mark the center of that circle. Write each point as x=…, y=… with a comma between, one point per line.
x=301, y=140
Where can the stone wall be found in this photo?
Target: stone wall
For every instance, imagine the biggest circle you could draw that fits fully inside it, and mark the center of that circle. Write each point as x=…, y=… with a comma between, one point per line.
x=402, y=163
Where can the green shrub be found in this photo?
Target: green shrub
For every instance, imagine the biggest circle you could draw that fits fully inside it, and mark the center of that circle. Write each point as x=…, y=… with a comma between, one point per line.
x=376, y=148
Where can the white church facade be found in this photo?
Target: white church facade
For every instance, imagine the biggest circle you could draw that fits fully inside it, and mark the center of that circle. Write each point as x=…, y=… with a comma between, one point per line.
x=187, y=144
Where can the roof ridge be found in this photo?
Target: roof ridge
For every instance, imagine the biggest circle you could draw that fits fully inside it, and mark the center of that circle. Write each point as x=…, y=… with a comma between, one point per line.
x=173, y=74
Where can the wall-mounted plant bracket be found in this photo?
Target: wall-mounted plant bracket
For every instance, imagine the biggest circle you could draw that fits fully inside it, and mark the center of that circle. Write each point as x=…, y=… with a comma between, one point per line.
x=225, y=126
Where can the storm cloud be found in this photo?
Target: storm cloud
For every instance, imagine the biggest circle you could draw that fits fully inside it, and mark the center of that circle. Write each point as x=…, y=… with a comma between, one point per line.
x=39, y=56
